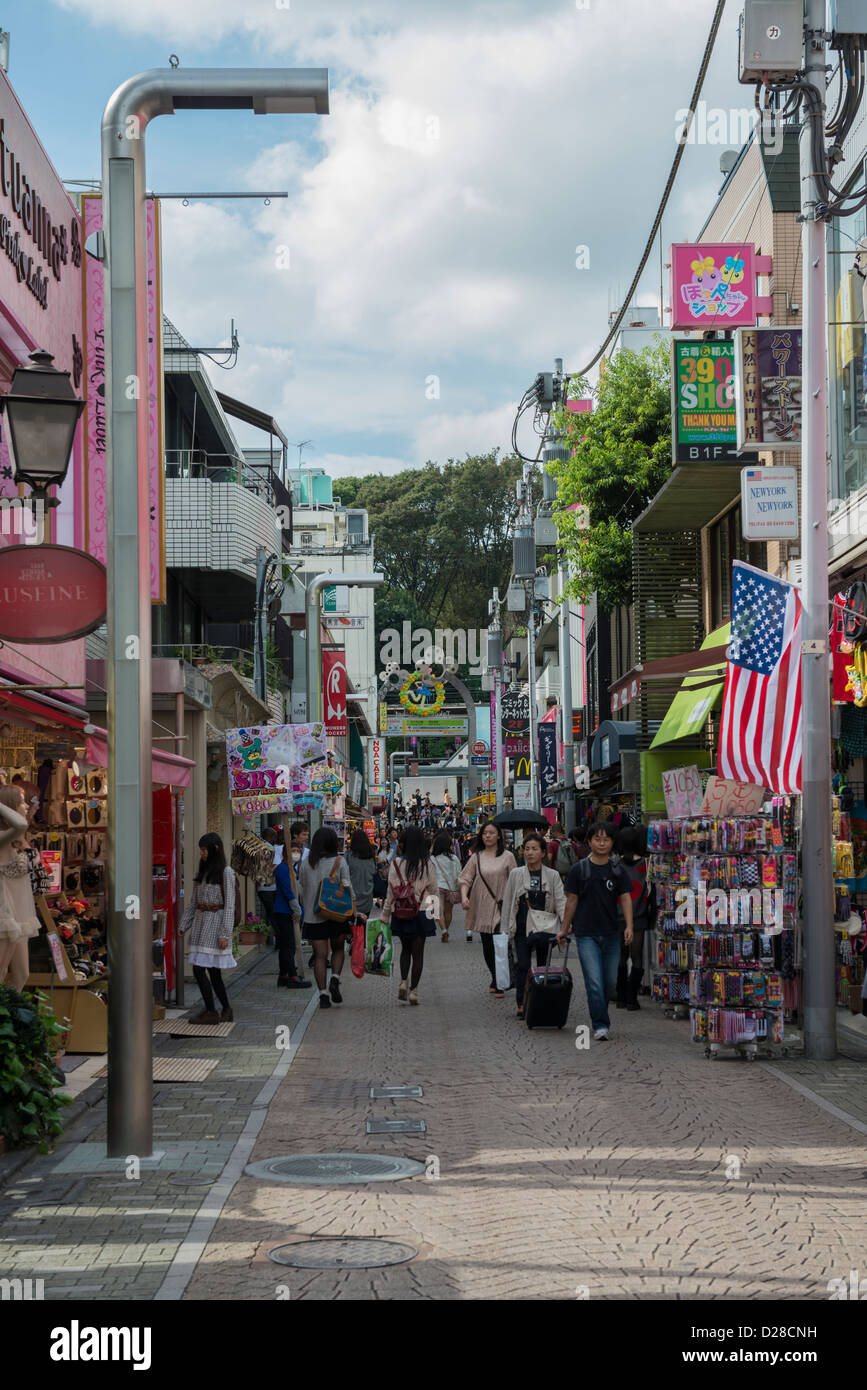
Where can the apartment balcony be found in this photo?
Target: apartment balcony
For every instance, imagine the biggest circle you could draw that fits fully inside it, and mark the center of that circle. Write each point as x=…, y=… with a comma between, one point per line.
x=218, y=512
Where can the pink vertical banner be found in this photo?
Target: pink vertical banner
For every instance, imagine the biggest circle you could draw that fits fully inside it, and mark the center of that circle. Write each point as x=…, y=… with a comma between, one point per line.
x=496, y=741
x=95, y=414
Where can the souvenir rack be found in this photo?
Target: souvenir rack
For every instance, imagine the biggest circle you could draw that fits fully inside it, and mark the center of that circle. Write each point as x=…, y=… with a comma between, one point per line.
x=726, y=948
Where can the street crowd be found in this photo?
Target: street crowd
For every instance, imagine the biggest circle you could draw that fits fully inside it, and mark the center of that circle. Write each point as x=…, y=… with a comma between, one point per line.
x=524, y=900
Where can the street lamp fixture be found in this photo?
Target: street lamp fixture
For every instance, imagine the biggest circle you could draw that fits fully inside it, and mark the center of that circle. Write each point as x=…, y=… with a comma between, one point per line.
x=42, y=413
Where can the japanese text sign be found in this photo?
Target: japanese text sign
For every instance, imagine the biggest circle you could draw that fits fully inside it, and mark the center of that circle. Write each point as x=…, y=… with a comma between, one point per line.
x=769, y=388
x=681, y=787
x=725, y=798
x=713, y=285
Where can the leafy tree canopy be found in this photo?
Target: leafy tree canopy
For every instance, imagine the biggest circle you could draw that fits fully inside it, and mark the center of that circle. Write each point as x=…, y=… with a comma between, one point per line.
x=621, y=457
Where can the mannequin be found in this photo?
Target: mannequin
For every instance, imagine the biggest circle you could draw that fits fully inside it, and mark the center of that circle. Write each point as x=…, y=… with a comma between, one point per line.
x=18, y=920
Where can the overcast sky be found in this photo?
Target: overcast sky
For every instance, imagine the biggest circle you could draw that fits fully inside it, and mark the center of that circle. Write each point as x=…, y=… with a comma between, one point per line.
x=433, y=217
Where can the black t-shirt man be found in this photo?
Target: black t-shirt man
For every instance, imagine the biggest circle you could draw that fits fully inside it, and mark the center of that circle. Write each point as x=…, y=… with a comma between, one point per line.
x=593, y=889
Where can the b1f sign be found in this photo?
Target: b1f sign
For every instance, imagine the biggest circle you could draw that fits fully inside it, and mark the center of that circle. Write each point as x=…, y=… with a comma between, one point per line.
x=769, y=504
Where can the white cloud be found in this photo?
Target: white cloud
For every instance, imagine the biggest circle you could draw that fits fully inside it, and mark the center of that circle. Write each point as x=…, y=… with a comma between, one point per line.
x=431, y=227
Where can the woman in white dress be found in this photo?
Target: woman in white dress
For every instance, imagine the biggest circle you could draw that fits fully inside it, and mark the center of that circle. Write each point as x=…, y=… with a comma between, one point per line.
x=18, y=920
x=210, y=920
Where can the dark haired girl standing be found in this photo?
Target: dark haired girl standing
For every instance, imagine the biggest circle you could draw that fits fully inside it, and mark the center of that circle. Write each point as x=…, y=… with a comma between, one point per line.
x=210, y=920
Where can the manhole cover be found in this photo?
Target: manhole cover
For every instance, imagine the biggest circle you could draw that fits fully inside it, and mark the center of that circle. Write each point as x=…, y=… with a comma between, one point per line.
x=396, y=1127
x=327, y=1170
x=343, y=1254
x=190, y=1180
x=395, y=1092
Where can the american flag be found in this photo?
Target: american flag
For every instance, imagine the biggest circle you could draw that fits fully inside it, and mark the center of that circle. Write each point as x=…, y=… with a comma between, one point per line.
x=760, y=733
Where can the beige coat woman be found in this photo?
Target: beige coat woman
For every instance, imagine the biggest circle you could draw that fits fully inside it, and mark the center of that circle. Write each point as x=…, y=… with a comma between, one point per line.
x=483, y=880
x=555, y=897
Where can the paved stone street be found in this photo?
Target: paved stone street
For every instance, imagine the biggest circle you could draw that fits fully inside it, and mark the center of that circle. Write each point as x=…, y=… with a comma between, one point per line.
x=636, y=1168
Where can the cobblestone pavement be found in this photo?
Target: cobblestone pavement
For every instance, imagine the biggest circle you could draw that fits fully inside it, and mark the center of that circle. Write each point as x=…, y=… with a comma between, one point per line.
x=100, y=1235
x=634, y=1168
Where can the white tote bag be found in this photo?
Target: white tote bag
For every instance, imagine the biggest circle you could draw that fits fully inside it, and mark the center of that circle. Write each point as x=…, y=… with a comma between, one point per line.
x=501, y=960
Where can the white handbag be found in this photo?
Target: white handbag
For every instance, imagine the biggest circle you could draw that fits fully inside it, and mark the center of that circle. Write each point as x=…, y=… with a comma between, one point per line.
x=501, y=961
x=537, y=918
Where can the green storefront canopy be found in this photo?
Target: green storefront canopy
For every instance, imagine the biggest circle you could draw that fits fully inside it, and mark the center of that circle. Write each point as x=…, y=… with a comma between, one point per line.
x=690, y=707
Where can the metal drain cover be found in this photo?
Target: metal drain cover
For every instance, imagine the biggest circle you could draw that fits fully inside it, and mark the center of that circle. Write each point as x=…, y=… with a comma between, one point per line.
x=355, y=1253
x=395, y=1092
x=327, y=1170
x=190, y=1180
x=396, y=1127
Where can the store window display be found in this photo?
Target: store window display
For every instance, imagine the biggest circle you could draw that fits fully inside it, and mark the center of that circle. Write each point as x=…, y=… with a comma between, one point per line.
x=18, y=920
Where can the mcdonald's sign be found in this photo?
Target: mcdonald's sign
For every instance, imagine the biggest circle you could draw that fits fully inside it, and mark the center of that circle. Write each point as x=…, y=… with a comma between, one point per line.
x=522, y=769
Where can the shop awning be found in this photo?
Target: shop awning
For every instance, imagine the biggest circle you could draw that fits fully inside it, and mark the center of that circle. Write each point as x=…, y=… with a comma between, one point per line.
x=169, y=769
x=698, y=695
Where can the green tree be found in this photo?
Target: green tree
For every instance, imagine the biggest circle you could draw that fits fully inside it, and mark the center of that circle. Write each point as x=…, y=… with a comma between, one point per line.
x=442, y=538
x=621, y=457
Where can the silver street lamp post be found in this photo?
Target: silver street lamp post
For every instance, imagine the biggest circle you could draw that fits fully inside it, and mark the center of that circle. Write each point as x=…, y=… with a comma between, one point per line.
x=159, y=92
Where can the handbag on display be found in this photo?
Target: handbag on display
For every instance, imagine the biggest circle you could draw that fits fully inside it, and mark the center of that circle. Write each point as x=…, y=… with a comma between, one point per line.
x=96, y=814
x=75, y=847
x=95, y=844
x=76, y=812
x=93, y=878
x=97, y=782
x=75, y=783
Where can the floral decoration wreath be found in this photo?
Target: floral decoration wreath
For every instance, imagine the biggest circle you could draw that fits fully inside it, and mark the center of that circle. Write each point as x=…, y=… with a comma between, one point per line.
x=424, y=711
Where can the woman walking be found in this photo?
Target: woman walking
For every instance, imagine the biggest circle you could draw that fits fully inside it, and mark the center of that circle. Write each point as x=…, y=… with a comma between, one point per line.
x=361, y=863
x=448, y=868
x=414, y=870
x=531, y=890
x=483, y=883
x=210, y=920
x=323, y=862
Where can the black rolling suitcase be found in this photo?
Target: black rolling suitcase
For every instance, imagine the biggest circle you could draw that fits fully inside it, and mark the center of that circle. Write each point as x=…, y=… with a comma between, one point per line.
x=548, y=993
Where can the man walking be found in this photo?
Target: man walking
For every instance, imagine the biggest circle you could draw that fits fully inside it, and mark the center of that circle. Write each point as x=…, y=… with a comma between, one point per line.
x=593, y=889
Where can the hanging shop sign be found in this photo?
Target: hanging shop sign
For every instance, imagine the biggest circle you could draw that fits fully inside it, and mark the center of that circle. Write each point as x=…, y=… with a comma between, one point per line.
x=769, y=504
x=376, y=767
x=334, y=690
x=723, y=797
x=336, y=599
x=434, y=728
x=703, y=414
x=681, y=787
x=422, y=695
x=276, y=765
x=515, y=713
x=713, y=285
x=625, y=694
x=547, y=763
x=49, y=593
x=768, y=388
x=96, y=458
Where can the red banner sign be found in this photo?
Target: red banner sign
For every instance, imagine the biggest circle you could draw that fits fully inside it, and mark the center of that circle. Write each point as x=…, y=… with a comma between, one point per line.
x=49, y=593
x=334, y=690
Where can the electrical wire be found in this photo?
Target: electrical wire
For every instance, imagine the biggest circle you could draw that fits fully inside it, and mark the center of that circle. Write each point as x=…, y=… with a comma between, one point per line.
x=699, y=83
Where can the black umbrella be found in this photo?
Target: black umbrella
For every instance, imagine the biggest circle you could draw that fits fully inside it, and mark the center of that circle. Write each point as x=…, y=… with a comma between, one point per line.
x=521, y=820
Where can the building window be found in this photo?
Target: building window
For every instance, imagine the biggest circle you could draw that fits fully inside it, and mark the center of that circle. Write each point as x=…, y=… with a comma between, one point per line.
x=726, y=544
x=847, y=360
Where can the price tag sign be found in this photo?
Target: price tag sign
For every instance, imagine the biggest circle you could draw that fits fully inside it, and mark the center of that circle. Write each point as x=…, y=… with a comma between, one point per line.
x=54, y=947
x=725, y=798
x=681, y=787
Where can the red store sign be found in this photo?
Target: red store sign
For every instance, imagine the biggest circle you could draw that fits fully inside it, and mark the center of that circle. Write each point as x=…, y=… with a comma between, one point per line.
x=334, y=690
x=49, y=593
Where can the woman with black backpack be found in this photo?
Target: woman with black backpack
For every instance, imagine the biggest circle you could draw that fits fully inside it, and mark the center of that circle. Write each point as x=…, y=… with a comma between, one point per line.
x=412, y=907
x=210, y=920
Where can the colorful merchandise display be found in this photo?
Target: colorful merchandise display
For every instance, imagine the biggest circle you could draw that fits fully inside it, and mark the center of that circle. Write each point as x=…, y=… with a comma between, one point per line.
x=727, y=942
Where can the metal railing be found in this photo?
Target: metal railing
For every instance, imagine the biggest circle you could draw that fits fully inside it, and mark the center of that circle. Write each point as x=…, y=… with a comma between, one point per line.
x=260, y=479
x=241, y=658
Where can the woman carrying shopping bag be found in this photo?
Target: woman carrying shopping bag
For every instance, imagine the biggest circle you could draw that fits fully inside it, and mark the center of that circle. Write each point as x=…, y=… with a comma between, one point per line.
x=533, y=907
x=412, y=907
x=210, y=920
x=448, y=868
x=323, y=875
x=483, y=883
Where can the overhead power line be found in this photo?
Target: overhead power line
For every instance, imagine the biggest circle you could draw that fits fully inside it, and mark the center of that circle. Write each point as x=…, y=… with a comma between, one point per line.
x=699, y=83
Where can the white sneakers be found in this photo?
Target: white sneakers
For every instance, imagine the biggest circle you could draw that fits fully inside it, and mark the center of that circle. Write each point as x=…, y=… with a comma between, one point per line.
x=601, y=1035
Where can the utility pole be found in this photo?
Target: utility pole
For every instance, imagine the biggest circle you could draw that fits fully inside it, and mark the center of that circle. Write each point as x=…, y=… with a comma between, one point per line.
x=129, y=902
x=554, y=450
x=495, y=666
x=820, y=1022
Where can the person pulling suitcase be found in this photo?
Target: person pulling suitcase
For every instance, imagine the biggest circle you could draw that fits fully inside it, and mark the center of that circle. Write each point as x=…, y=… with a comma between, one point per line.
x=593, y=889
x=533, y=905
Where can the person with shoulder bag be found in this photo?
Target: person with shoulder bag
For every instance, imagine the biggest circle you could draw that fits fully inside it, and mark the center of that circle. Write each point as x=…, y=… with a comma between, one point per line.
x=211, y=918
x=448, y=868
x=483, y=884
x=533, y=907
x=412, y=907
x=325, y=888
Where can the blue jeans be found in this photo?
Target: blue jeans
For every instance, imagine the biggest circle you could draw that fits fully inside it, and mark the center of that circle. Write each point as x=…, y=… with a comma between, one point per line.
x=599, y=957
